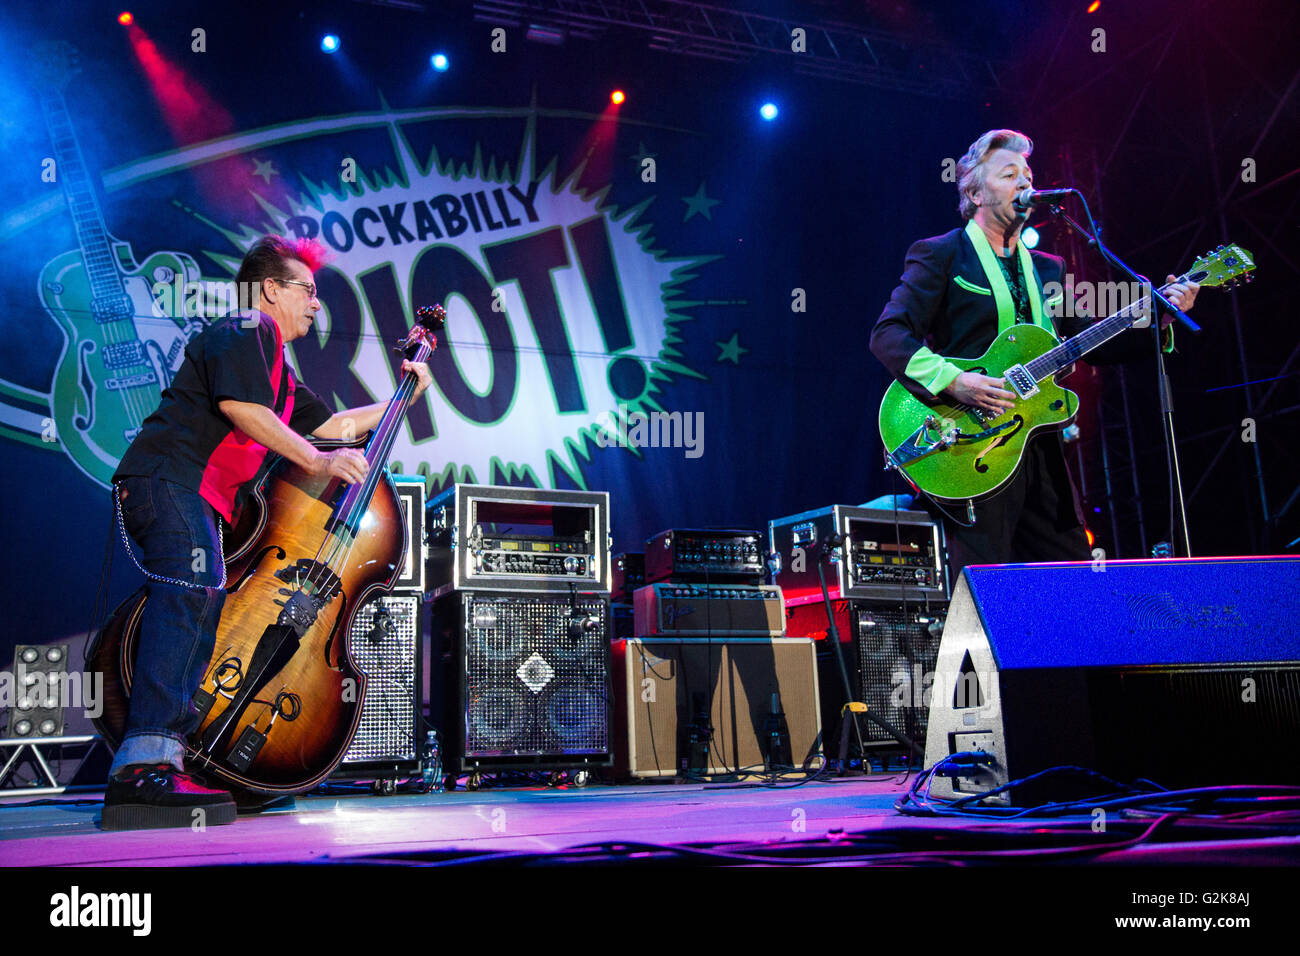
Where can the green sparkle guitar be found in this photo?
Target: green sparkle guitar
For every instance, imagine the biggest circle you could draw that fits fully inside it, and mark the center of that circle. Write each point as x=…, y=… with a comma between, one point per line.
x=956, y=452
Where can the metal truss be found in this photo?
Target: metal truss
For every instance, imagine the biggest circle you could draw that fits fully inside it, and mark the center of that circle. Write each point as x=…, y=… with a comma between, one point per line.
x=839, y=51
x=1261, y=223
x=1106, y=462
x=18, y=751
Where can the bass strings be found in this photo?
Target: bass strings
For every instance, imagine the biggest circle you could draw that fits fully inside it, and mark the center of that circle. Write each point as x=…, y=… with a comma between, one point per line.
x=386, y=435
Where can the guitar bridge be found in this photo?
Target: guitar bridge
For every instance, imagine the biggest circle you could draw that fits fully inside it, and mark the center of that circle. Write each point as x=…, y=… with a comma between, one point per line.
x=1021, y=382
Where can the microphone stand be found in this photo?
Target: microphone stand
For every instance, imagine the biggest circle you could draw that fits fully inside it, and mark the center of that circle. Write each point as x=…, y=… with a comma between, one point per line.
x=1177, y=503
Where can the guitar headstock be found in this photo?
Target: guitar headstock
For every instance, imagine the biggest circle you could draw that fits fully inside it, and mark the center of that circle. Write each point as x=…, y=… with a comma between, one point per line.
x=1227, y=266
x=431, y=317
x=428, y=319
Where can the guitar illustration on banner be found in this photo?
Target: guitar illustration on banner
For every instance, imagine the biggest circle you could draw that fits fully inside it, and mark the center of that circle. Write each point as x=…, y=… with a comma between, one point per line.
x=956, y=452
x=122, y=347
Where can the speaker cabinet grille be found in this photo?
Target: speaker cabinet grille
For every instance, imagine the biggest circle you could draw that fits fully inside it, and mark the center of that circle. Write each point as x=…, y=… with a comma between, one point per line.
x=536, y=676
x=1232, y=716
x=897, y=649
x=384, y=644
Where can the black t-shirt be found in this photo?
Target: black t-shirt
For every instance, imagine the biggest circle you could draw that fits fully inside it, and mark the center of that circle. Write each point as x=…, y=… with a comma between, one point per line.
x=189, y=441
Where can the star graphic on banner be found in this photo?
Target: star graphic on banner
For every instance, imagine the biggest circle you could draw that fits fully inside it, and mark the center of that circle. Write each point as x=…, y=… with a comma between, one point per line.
x=264, y=169
x=731, y=350
x=699, y=203
x=641, y=155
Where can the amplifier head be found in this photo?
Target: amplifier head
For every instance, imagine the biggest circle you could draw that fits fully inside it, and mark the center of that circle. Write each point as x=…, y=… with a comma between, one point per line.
x=628, y=575
x=880, y=554
x=518, y=539
x=713, y=610
x=705, y=555
x=410, y=495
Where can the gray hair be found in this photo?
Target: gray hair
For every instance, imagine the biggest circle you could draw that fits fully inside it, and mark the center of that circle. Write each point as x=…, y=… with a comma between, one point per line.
x=970, y=168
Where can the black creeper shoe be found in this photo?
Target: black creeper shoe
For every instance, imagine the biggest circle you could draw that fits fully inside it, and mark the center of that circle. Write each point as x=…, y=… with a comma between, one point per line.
x=150, y=796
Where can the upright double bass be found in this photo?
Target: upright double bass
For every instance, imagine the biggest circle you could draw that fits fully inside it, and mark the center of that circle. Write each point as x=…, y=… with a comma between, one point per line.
x=281, y=698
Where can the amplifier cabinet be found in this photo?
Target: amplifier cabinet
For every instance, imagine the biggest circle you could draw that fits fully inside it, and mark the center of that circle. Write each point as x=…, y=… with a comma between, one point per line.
x=525, y=680
x=883, y=554
x=485, y=537
x=897, y=648
x=715, y=707
x=385, y=644
x=890, y=651
x=715, y=610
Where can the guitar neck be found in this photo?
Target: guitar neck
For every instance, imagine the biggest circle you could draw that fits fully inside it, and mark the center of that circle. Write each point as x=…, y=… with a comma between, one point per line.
x=385, y=434
x=357, y=499
x=1094, y=336
x=87, y=218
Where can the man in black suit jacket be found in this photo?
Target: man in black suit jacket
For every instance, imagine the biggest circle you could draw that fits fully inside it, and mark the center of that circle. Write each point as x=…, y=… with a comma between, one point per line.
x=957, y=292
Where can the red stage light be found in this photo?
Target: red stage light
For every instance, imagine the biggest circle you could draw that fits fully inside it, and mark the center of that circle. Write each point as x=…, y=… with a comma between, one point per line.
x=125, y=18
x=1094, y=6
x=617, y=97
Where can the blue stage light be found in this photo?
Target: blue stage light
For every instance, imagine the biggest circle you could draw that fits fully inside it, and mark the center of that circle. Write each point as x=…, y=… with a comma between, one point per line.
x=439, y=62
x=329, y=43
x=768, y=111
x=1030, y=235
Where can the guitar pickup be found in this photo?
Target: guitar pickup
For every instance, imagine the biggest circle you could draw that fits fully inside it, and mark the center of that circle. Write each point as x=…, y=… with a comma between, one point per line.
x=1021, y=382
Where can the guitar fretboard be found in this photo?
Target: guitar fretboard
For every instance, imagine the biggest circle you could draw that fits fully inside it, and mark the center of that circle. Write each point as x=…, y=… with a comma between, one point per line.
x=92, y=234
x=1073, y=349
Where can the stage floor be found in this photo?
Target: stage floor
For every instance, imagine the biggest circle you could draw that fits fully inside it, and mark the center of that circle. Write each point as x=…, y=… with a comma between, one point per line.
x=806, y=822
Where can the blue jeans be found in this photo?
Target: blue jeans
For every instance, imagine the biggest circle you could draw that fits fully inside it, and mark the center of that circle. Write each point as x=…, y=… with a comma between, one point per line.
x=176, y=531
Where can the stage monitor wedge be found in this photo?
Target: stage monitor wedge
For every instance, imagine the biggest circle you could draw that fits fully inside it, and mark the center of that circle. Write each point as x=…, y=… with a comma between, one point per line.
x=1185, y=672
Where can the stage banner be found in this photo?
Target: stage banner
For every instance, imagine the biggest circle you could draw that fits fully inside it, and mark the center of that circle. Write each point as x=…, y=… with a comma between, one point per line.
x=634, y=304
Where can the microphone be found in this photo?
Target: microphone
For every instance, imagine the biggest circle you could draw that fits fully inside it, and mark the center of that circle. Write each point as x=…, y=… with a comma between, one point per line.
x=1034, y=197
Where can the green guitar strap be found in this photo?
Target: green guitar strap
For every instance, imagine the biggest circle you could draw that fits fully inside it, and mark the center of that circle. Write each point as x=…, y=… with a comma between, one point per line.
x=998, y=283
x=1031, y=282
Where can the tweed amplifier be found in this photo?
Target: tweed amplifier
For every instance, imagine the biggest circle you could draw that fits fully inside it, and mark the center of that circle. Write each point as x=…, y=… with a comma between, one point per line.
x=686, y=705
x=713, y=610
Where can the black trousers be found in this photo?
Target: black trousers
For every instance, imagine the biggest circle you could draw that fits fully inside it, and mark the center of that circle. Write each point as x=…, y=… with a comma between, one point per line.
x=1032, y=519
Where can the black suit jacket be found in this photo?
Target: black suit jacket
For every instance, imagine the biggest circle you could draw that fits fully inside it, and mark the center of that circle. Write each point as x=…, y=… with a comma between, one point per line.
x=931, y=307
